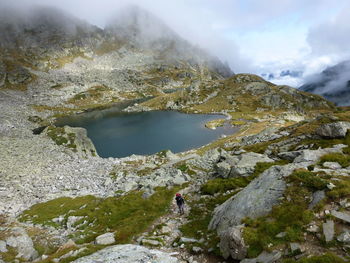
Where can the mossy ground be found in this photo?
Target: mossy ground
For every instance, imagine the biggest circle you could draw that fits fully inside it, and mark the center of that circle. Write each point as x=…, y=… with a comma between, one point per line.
x=60, y=137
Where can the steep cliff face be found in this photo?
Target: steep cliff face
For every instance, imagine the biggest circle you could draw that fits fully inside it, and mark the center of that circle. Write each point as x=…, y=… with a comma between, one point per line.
x=333, y=83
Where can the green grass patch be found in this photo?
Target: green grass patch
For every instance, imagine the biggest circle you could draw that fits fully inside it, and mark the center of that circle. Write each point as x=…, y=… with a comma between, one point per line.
x=127, y=216
x=326, y=258
x=308, y=179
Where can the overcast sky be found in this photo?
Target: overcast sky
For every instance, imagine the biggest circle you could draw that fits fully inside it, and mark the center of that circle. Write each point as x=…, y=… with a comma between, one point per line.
x=257, y=36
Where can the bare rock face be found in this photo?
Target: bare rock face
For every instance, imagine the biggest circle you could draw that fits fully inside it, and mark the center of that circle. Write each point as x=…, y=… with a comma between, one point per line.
x=333, y=130
x=232, y=243
x=257, y=199
x=128, y=253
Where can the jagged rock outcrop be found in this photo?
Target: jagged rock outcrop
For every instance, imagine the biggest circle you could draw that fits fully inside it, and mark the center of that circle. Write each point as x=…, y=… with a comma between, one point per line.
x=127, y=254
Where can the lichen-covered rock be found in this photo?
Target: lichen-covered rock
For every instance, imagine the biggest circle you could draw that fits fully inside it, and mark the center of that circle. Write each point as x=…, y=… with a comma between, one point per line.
x=333, y=130
x=232, y=243
x=126, y=254
x=315, y=155
x=257, y=199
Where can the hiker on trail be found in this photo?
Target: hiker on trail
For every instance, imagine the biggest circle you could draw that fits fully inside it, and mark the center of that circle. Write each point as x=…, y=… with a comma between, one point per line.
x=180, y=203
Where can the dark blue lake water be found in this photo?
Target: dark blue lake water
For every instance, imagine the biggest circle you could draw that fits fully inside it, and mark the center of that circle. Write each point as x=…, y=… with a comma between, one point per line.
x=117, y=134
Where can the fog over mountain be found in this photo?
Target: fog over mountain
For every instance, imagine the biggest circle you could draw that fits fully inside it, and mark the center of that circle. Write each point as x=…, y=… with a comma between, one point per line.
x=333, y=83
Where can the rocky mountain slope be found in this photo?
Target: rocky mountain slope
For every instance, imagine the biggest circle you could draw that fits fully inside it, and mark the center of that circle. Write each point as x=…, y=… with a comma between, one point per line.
x=333, y=84
x=275, y=191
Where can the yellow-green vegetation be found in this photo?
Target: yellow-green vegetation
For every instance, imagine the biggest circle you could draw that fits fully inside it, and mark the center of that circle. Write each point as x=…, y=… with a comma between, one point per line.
x=94, y=95
x=342, y=159
x=215, y=123
x=60, y=137
x=127, y=216
x=238, y=122
x=326, y=258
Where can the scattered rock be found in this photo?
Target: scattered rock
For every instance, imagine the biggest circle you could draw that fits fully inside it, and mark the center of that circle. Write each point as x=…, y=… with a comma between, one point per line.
x=105, y=239
x=328, y=230
x=232, y=243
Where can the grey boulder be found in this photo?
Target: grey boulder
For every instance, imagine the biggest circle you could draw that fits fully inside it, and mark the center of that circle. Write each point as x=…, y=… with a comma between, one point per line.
x=232, y=243
x=105, y=239
x=333, y=130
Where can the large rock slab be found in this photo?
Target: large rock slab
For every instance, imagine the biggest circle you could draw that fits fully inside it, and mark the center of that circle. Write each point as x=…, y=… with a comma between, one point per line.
x=333, y=130
x=257, y=199
x=127, y=254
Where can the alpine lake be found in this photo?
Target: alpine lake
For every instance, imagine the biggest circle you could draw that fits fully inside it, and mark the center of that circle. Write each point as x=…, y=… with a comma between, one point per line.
x=119, y=134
